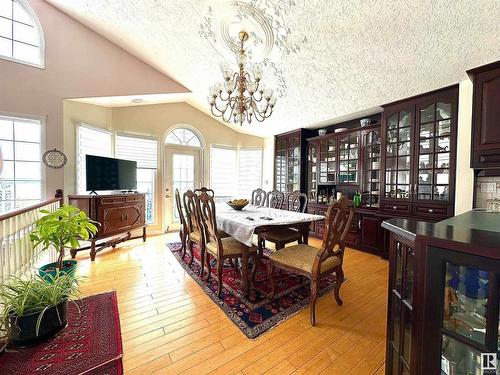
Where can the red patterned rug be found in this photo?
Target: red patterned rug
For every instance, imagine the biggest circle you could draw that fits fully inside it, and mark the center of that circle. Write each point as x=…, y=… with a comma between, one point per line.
x=256, y=314
x=90, y=344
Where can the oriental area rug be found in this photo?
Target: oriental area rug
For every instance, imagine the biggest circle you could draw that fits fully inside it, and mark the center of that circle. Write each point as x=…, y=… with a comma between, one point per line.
x=256, y=314
x=90, y=344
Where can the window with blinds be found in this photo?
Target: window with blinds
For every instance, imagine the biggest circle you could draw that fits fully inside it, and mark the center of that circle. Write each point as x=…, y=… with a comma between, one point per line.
x=91, y=141
x=143, y=150
x=223, y=171
x=250, y=171
x=21, y=182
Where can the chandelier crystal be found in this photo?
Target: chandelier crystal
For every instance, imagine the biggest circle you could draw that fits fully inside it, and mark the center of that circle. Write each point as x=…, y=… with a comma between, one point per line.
x=241, y=96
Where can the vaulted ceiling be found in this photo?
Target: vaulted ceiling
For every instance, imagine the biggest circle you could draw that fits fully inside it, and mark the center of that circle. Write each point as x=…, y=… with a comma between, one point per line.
x=327, y=59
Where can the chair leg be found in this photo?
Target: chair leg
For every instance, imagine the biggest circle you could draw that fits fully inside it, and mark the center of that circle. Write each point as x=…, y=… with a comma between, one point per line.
x=182, y=236
x=220, y=263
x=185, y=241
x=260, y=246
x=202, y=259
x=271, y=279
x=338, y=284
x=314, y=297
x=254, y=268
x=209, y=269
x=191, y=250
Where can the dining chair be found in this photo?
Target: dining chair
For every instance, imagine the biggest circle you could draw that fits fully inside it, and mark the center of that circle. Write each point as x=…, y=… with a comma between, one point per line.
x=297, y=202
x=258, y=197
x=205, y=190
x=218, y=247
x=314, y=263
x=275, y=199
x=193, y=224
x=183, y=228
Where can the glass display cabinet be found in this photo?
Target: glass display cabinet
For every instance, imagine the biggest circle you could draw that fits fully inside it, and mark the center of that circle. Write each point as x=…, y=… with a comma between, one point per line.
x=418, y=155
x=348, y=159
x=312, y=176
x=293, y=164
x=370, y=188
x=280, y=165
x=328, y=161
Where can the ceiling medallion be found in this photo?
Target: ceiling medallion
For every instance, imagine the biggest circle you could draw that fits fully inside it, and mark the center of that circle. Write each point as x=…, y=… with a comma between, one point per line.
x=241, y=96
x=270, y=35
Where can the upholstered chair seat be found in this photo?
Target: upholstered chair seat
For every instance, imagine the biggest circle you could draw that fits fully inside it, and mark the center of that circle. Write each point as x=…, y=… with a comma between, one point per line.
x=231, y=246
x=281, y=235
x=302, y=257
x=196, y=235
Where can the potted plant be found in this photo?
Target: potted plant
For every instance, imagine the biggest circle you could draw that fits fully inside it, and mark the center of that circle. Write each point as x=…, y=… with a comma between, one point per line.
x=62, y=229
x=37, y=308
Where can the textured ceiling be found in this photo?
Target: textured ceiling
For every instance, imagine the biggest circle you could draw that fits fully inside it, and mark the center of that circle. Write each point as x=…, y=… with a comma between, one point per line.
x=327, y=58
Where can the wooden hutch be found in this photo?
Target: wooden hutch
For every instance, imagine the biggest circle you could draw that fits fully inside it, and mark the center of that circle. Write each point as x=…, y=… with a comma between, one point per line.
x=413, y=141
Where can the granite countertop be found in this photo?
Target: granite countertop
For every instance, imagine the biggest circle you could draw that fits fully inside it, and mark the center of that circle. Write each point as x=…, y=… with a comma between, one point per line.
x=478, y=228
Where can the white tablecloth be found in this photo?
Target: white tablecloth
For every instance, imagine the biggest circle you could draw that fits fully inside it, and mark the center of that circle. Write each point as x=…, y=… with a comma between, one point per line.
x=238, y=225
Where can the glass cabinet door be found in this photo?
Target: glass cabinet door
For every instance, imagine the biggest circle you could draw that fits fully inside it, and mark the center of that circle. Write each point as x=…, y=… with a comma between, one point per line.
x=397, y=159
x=433, y=152
x=348, y=159
x=293, y=164
x=328, y=160
x=280, y=165
x=312, y=183
x=371, y=166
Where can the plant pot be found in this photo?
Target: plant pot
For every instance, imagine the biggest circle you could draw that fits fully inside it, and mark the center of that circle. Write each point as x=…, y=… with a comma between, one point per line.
x=23, y=328
x=69, y=267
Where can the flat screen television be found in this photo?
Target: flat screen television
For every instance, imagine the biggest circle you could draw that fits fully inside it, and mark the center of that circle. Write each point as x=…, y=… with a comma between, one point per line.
x=110, y=174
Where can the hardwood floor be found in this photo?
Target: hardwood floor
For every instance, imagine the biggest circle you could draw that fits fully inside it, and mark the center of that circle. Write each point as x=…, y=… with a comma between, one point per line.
x=169, y=325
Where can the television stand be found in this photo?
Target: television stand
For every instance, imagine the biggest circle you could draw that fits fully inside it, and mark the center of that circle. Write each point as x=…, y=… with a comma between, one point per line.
x=93, y=192
x=118, y=216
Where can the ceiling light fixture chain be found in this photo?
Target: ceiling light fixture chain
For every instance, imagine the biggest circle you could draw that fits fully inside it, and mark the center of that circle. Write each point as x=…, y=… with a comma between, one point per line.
x=241, y=96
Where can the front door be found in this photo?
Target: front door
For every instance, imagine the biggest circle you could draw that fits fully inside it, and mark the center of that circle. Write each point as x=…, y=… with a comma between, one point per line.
x=183, y=171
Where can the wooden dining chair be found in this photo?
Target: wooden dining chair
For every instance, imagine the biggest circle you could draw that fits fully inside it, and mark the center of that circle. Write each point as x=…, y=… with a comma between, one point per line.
x=218, y=247
x=183, y=227
x=193, y=224
x=314, y=263
x=275, y=199
x=297, y=202
x=205, y=190
x=258, y=197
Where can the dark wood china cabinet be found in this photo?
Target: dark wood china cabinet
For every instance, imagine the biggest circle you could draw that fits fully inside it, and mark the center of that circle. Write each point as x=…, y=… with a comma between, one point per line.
x=370, y=154
x=290, y=163
x=418, y=155
x=486, y=112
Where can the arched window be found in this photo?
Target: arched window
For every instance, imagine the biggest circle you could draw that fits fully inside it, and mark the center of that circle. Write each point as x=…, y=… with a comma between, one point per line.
x=183, y=137
x=21, y=35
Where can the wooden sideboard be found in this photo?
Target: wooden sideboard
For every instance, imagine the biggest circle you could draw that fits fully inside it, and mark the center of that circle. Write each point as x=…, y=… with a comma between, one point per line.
x=117, y=214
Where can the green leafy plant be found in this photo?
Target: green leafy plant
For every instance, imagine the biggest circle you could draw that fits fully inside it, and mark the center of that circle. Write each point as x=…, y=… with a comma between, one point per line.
x=21, y=297
x=62, y=229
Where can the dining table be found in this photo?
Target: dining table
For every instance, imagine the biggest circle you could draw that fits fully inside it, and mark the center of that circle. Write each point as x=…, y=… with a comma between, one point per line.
x=252, y=220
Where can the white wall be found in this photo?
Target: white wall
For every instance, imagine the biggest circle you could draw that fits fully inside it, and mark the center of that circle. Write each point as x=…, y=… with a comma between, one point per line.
x=464, y=187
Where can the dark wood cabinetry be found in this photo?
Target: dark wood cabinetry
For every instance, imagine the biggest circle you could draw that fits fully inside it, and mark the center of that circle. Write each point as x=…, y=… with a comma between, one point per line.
x=418, y=155
x=116, y=214
x=443, y=300
x=290, y=164
x=486, y=115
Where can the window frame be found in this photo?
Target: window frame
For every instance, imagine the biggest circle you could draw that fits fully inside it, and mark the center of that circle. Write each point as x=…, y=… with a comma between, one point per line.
x=41, y=36
x=77, y=148
x=256, y=148
x=41, y=120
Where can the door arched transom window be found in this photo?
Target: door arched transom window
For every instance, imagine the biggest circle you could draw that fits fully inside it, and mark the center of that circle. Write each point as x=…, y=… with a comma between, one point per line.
x=183, y=137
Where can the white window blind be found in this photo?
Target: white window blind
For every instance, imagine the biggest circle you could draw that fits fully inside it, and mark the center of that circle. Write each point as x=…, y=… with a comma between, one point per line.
x=91, y=141
x=223, y=171
x=143, y=150
x=250, y=171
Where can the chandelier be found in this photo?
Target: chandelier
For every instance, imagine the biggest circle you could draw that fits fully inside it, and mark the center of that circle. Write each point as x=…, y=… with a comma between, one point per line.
x=241, y=96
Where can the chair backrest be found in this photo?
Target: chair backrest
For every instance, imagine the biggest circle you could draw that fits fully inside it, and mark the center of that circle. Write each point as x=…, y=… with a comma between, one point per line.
x=297, y=202
x=337, y=222
x=206, y=208
x=275, y=199
x=205, y=190
x=258, y=197
x=180, y=211
x=192, y=217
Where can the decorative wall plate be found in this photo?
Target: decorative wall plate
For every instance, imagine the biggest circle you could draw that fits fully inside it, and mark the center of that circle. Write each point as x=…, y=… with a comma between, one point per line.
x=54, y=159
